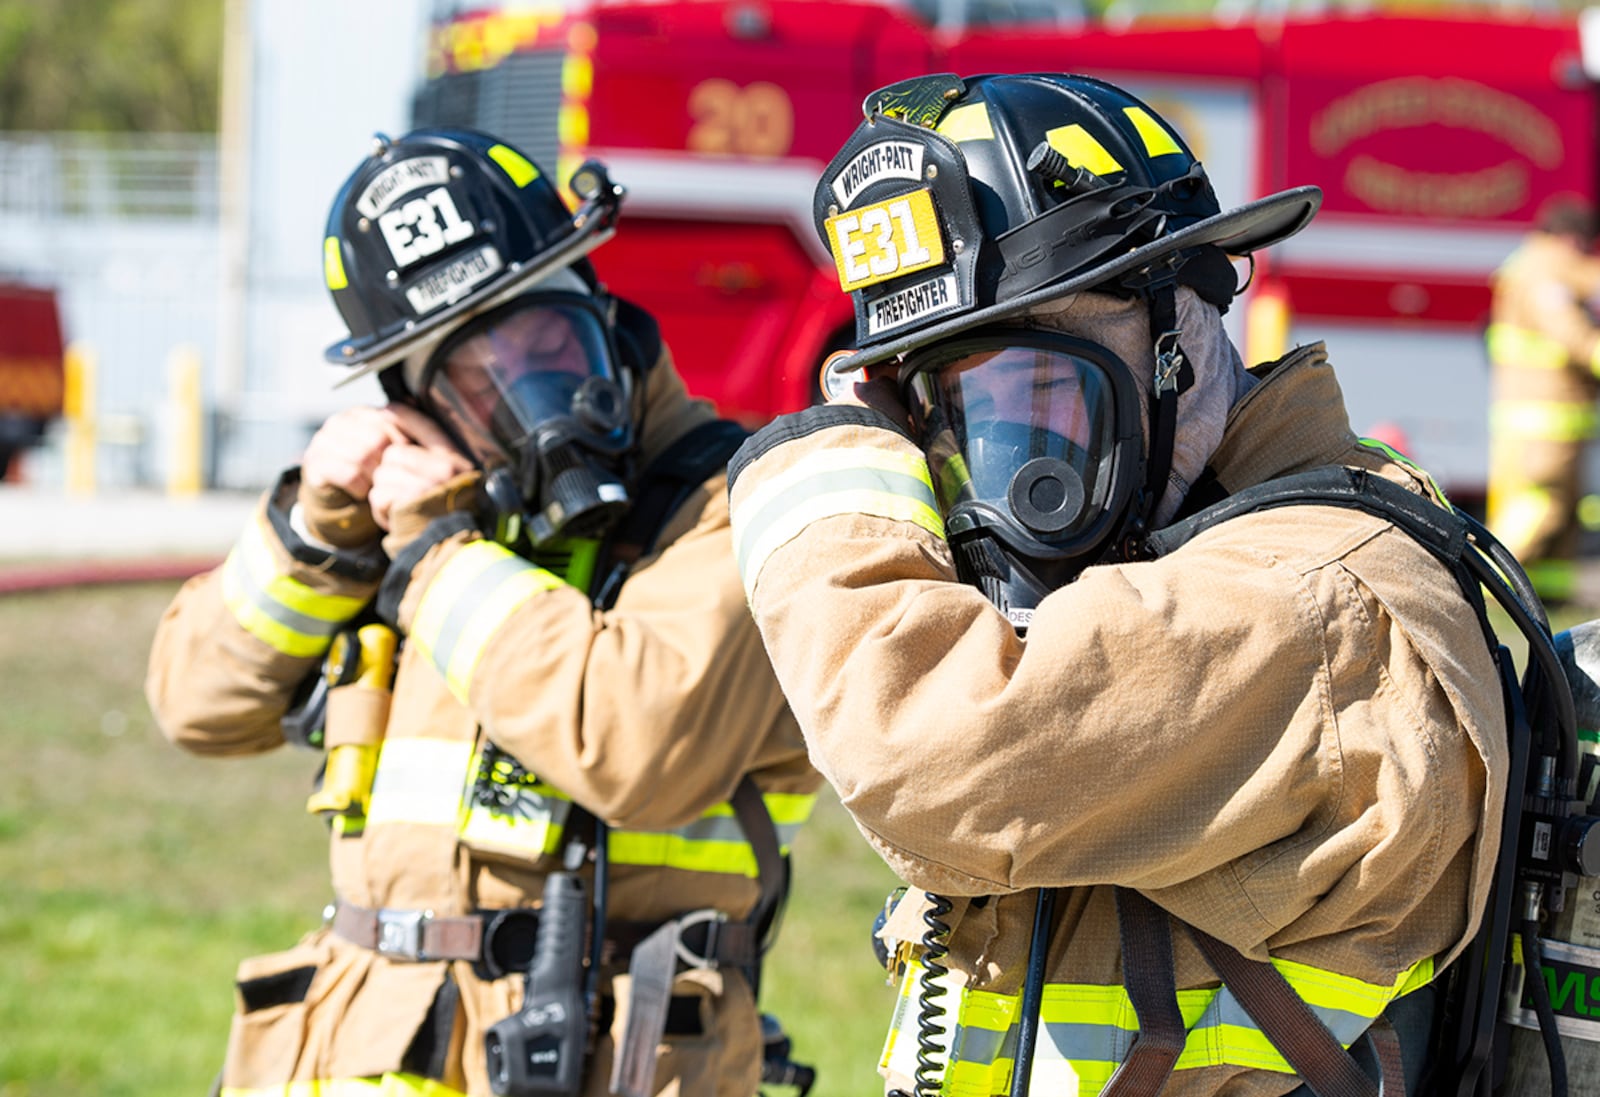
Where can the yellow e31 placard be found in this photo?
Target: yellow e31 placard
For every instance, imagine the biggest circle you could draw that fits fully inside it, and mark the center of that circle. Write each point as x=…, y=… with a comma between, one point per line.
x=885, y=240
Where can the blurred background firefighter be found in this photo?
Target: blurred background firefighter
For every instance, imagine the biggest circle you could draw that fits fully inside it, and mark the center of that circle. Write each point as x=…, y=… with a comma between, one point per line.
x=579, y=737
x=1544, y=353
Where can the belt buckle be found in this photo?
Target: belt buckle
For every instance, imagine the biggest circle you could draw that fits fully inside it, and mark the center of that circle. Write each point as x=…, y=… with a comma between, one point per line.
x=713, y=920
x=400, y=933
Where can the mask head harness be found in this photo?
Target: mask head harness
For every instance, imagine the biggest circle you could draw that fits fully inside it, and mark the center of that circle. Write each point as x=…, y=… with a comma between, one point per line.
x=959, y=204
x=462, y=277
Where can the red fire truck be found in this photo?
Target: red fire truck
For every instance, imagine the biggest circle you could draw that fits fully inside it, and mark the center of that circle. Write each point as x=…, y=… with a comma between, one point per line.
x=31, y=384
x=1436, y=140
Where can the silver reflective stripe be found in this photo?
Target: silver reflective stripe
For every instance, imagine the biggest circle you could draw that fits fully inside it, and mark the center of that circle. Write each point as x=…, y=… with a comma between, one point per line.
x=420, y=781
x=863, y=480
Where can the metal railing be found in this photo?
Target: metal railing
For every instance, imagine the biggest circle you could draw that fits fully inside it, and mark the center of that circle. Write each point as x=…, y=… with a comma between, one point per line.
x=97, y=176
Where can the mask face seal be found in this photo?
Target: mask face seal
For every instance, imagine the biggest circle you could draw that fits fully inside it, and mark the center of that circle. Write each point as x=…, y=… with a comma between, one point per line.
x=533, y=392
x=1036, y=451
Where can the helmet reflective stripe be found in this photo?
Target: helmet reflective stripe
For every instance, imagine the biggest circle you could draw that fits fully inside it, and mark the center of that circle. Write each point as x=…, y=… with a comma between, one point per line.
x=470, y=597
x=831, y=482
x=429, y=782
x=388, y=1085
x=1543, y=420
x=275, y=607
x=1510, y=345
x=1084, y=1030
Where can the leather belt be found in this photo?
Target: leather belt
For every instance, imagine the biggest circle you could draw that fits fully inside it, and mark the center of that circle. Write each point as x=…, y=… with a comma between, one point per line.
x=500, y=940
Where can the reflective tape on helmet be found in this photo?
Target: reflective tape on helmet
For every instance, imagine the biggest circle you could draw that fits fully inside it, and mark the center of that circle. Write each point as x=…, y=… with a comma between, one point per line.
x=1158, y=141
x=470, y=597
x=333, y=264
x=968, y=123
x=1085, y=1030
x=1543, y=420
x=853, y=480
x=1082, y=150
x=388, y=1085
x=275, y=607
x=514, y=164
x=1524, y=348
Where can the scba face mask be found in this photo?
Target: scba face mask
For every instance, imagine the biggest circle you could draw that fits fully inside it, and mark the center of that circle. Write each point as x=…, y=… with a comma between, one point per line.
x=1037, y=454
x=533, y=391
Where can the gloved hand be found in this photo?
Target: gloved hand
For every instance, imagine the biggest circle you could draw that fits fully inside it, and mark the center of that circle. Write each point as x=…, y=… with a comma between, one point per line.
x=408, y=520
x=336, y=475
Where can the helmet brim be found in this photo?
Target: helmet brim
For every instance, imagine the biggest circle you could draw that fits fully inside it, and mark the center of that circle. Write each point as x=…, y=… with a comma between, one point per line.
x=371, y=355
x=1240, y=231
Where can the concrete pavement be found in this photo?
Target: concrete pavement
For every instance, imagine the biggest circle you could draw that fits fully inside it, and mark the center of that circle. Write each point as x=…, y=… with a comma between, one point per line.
x=51, y=538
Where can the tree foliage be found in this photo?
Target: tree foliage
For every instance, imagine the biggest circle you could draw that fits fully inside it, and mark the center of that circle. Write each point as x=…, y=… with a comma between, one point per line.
x=110, y=65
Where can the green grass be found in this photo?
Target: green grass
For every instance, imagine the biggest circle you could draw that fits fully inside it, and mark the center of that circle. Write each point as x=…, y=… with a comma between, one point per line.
x=135, y=877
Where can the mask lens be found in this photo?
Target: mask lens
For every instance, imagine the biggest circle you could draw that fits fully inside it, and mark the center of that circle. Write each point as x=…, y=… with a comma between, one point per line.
x=985, y=409
x=517, y=368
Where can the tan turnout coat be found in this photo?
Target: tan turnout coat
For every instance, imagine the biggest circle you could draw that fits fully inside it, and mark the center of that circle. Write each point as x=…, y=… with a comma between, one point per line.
x=1287, y=733
x=647, y=714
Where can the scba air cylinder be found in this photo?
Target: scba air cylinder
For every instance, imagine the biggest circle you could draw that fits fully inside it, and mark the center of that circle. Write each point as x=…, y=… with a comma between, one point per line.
x=1570, y=967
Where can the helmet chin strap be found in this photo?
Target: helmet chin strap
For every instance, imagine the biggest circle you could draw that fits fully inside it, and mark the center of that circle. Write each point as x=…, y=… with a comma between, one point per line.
x=1173, y=375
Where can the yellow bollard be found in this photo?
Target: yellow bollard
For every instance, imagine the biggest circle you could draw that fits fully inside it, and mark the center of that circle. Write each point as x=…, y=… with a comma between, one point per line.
x=1266, y=325
x=187, y=422
x=78, y=409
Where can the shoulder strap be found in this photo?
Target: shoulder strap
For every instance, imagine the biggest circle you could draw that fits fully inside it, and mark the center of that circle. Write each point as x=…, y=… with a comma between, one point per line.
x=666, y=483
x=1446, y=533
x=1442, y=531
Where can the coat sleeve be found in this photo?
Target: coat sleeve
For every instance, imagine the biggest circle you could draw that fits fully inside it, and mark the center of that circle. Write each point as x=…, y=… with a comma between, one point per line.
x=649, y=713
x=1122, y=742
x=237, y=642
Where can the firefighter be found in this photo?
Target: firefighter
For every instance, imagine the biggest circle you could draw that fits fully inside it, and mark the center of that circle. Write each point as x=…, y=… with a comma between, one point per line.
x=1108, y=775
x=1544, y=354
x=538, y=515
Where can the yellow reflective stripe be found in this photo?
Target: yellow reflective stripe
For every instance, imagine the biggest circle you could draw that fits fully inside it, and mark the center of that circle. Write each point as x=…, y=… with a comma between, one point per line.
x=470, y=597
x=1082, y=150
x=828, y=483
x=968, y=123
x=389, y=1085
x=333, y=264
x=1157, y=141
x=278, y=609
x=1543, y=420
x=1401, y=459
x=1525, y=348
x=421, y=781
x=514, y=164
x=715, y=842
x=1084, y=1030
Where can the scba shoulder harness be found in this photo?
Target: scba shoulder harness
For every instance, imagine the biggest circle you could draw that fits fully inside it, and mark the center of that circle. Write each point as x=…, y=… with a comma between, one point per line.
x=1536, y=859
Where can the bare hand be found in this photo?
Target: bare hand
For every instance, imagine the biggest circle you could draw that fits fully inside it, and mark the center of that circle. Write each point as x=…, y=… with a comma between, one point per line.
x=345, y=450
x=424, y=459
